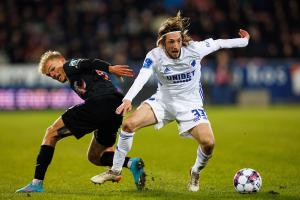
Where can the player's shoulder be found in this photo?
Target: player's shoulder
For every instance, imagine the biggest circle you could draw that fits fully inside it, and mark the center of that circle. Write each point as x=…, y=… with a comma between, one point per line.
x=74, y=62
x=201, y=46
x=153, y=57
x=191, y=45
x=207, y=42
x=155, y=54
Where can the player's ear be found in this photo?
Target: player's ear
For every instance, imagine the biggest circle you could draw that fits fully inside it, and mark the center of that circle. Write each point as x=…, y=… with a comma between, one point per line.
x=62, y=59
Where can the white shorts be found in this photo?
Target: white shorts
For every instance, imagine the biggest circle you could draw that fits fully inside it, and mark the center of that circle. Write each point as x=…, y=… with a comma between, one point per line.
x=186, y=114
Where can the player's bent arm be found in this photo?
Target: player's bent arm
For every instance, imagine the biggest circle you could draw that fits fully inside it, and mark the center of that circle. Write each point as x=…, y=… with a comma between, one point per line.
x=121, y=70
x=138, y=84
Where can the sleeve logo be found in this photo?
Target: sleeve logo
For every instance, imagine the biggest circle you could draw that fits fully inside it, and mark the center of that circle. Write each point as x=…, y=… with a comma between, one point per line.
x=74, y=62
x=147, y=63
x=207, y=44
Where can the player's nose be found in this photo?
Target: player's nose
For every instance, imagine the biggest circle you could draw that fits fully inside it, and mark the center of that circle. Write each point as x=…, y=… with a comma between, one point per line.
x=53, y=74
x=176, y=47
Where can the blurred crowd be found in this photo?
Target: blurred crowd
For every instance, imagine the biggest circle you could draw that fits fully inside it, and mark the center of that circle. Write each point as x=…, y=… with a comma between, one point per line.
x=123, y=30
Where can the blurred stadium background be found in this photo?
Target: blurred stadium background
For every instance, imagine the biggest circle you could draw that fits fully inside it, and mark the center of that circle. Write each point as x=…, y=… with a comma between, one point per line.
x=252, y=129
x=266, y=72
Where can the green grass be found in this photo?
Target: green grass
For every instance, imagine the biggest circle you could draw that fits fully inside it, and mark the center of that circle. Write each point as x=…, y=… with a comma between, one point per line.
x=265, y=139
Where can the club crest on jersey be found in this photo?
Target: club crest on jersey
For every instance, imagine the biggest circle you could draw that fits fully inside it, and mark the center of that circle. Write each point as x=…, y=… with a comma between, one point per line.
x=74, y=62
x=193, y=63
x=147, y=63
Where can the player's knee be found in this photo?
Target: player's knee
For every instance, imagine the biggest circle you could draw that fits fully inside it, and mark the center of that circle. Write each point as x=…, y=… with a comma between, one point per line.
x=49, y=137
x=50, y=133
x=129, y=125
x=208, y=145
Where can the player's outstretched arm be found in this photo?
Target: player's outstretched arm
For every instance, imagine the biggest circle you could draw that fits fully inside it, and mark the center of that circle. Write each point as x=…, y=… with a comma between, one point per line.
x=124, y=107
x=121, y=70
x=233, y=43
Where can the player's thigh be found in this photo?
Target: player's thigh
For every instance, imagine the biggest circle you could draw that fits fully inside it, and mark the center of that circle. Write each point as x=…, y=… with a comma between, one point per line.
x=107, y=131
x=53, y=131
x=143, y=116
x=203, y=133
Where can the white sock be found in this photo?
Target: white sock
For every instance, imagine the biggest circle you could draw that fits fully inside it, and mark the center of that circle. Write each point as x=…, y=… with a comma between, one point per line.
x=123, y=147
x=37, y=182
x=129, y=163
x=201, y=160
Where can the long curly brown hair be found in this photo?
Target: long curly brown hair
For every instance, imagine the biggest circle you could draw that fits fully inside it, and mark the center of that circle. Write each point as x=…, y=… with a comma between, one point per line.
x=177, y=23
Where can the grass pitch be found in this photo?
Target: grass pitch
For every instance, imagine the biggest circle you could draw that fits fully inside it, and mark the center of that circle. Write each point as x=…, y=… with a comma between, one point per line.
x=265, y=139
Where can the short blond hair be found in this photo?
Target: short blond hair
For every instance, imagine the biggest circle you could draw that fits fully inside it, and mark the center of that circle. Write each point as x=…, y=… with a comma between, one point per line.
x=174, y=24
x=48, y=55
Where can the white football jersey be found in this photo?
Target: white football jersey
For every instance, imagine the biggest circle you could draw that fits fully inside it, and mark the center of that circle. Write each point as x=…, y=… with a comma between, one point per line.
x=179, y=79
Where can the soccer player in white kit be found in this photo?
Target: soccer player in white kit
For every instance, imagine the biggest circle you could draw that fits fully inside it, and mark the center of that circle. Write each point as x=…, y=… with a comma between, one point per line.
x=176, y=63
